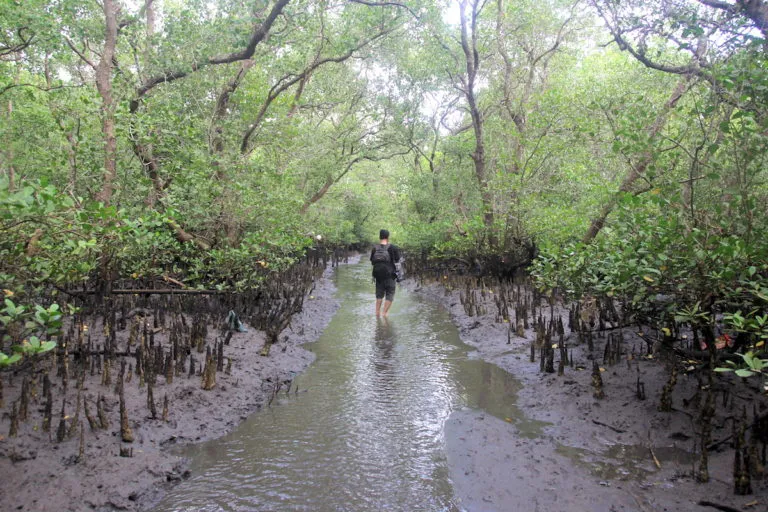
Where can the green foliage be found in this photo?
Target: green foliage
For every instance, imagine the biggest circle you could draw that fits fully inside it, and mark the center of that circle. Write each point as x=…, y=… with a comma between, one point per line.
x=21, y=323
x=752, y=323
x=38, y=319
x=6, y=361
x=34, y=346
x=655, y=264
x=752, y=366
x=47, y=242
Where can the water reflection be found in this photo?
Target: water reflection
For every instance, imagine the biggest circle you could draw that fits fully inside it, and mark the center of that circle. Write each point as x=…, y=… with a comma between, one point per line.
x=383, y=364
x=368, y=434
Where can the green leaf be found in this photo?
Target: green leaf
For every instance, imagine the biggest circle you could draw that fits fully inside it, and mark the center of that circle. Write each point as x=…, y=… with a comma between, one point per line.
x=48, y=345
x=744, y=373
x=8, y=360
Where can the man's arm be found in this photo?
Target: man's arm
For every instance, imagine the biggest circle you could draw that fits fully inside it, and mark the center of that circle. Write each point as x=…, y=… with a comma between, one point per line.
x=395, y=253
x=372, y=253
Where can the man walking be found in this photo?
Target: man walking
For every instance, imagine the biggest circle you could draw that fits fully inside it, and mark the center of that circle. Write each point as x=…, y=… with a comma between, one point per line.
x=383, y=258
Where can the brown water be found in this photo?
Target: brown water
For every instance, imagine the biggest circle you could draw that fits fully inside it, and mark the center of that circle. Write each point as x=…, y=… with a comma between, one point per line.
x=368, y=432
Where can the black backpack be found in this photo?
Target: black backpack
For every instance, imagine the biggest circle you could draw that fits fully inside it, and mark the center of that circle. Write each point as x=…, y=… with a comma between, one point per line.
x=381, y=254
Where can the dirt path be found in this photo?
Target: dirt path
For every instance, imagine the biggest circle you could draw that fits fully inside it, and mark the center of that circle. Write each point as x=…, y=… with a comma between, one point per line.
x=595, y=454
x=38, y=474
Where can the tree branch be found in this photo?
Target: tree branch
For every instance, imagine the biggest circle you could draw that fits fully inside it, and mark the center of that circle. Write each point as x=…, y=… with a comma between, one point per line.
x=258, y=35
x=755, y=10
x=79, y=53
x=637, y=171
x=44, y=89
x=725, y=6
x=15, y=48
x=386, y=4
x=287, y=81
x=330, y=180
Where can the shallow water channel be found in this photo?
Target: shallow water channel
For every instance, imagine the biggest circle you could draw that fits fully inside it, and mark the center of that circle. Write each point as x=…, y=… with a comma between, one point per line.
x=365, y=432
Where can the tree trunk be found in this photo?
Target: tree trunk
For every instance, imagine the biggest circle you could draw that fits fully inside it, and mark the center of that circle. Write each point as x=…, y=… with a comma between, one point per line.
x=72, y=158
x=104, y=86
x=472, y=58
x=217, y=147
x=9, y=152
x=646, y=158
x=144, y=150
x=9, y=156
x=317, y=195
x=220, y=112
x=149, y=12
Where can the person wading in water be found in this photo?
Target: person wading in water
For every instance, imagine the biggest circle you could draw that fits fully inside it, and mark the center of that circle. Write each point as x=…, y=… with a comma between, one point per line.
x=383, y=258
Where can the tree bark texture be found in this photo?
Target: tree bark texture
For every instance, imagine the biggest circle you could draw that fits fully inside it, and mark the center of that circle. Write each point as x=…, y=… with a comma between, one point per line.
x=104, y=86
x=472, y=59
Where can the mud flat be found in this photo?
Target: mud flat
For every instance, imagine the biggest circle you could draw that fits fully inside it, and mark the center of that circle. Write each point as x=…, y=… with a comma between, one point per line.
x=40, y=474
x=616, y=453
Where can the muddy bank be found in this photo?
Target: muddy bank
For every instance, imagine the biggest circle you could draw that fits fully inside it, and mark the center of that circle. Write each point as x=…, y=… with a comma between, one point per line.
x=590, y=454
x=41, y=474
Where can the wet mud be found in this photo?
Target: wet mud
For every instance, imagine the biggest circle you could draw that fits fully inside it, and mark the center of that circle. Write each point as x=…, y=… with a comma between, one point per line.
x=40, y=474
x=618, y=453
x=558, y=448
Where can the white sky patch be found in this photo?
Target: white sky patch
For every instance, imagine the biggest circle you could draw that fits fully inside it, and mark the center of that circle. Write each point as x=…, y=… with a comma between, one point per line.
x=64, y=75
x=434, y=104
x=452, y=14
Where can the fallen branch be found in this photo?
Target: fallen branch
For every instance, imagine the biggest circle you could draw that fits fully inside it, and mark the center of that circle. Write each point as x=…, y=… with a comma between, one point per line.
x=655, y=459
x=724, y=508
x=704, y=355
x=163, y=291
x=612, y=328
x=716, y=444
x=174, y=281
x=182, y=236
x=105, y=353
x=617, y=430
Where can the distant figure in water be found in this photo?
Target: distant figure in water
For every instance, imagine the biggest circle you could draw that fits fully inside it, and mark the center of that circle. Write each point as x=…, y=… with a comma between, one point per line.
x=383, y=258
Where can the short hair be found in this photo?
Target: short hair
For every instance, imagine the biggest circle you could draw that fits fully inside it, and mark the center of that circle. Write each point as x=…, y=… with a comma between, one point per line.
x=383, y=234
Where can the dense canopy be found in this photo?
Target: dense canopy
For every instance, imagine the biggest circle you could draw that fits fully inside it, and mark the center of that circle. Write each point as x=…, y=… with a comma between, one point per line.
x=623, y=142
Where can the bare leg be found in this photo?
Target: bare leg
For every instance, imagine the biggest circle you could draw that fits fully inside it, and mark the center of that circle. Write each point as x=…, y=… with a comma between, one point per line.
x=387, y=305
x=378, y=308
